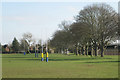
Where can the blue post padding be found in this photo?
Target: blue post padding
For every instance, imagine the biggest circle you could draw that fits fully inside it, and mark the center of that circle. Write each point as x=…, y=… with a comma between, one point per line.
x=42, y=59
x=46, y=59
x=24, y=53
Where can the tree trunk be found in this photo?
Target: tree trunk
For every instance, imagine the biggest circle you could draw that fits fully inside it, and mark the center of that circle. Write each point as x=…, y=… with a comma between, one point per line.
x=59, y=51
x=86, y=50
x=82, y=50
x=95, y=48
x=79, y=50
x=62, y=51
x=102, y=51
x=96, y=52
x=76, y=50
x=66, y=51
x=91, y=51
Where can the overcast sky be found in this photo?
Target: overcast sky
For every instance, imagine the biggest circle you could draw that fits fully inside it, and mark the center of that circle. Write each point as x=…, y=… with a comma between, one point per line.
x=39, y=18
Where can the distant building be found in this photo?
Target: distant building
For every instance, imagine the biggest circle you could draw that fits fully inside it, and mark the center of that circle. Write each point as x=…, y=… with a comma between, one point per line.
x=51, y=50
x=5, y=48
x=113, y=48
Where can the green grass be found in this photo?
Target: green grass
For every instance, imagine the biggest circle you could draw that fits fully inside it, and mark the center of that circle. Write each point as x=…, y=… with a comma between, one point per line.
x=59, y=66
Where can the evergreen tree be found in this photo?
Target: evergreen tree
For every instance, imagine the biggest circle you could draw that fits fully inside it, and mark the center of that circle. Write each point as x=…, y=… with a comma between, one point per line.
x=15, y=45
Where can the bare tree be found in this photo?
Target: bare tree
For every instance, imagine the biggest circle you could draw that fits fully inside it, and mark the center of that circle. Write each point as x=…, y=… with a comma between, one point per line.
x=23, y=45
x=28, y=37
x=61, y=38
x=102, y=21
x=78, y=33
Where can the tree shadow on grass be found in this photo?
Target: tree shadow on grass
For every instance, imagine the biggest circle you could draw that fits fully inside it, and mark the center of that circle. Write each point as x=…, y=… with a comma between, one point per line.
x=17, y=57
x=102, y=62
x=57, y=59
x=74, y=60
x=67, y=59
x=71, y=59
x=31, y=58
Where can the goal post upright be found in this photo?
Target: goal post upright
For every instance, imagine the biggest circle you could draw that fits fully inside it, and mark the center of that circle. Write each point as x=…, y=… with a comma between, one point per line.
x=42, y=56
x=46, y=52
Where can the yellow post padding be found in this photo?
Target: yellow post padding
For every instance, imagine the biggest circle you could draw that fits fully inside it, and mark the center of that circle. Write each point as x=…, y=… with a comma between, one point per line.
x=42, y=55
x=47, y=54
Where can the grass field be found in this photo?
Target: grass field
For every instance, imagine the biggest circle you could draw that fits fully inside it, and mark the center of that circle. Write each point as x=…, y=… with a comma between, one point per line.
x=59, y=66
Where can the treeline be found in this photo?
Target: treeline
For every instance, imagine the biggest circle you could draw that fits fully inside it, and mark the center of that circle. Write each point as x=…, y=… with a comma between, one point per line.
x=25, y=44
x=93, y=29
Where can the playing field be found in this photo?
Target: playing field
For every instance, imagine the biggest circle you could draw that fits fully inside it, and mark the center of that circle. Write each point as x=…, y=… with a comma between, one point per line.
x=59, y=66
